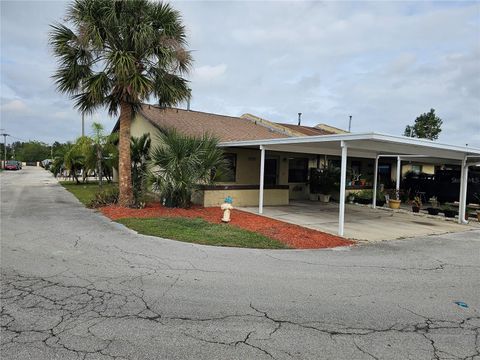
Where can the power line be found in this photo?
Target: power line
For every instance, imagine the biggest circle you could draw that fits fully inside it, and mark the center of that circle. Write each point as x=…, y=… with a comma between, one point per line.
x=4, y=148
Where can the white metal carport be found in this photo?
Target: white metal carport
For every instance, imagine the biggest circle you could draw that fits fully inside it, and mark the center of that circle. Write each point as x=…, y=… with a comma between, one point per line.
x=368, y=145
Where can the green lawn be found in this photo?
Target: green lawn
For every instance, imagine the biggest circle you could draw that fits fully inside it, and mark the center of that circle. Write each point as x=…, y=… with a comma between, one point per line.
x=200, y=231
x=86, y=192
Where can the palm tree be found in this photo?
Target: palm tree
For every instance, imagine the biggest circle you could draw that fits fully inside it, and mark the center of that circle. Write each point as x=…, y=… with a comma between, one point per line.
x=99, y=140
x=58, y=161
x=75, y=158
x=102, y=150
x=140, y=149
x=116, y=54
x=182, y=163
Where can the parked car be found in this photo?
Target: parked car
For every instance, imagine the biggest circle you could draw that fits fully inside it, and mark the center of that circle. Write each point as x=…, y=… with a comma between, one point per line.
x=12, y=165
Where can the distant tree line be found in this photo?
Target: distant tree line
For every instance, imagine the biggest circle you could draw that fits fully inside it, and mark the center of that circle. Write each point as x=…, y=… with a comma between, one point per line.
x=28, y=151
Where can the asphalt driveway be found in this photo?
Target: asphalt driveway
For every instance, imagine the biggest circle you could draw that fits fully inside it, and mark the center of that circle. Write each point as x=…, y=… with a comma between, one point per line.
x=77, y=286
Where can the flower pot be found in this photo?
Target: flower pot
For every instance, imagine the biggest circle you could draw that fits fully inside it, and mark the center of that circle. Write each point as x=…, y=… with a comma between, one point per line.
x=433, y=211
x=324, y=198
x=449, y=213
x=416, y=209
x=364, y=201
x=394, y=204
x=380, y=203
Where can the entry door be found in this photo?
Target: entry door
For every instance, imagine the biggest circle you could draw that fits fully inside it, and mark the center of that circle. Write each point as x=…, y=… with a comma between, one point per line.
x=271, y=166
x=385, y=174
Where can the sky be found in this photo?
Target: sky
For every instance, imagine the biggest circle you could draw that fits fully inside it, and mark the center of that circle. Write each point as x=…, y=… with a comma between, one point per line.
x=382, y=62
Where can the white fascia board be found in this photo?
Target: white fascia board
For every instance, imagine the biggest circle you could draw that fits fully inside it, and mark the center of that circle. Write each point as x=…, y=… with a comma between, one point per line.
x=321, y=151
x=400, y=140
x=425, y=143
x=295, y=140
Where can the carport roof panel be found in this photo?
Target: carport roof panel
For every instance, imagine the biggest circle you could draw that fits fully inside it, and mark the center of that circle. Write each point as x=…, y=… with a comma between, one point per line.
x=372, y=143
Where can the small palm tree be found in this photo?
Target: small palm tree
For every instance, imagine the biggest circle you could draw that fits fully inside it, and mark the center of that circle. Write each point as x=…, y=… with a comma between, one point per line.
x=140, y=150
x=58, y=161
x=102, y=149
x=99, y=140
x=116, y=54
x=181, y=164
x=75, y=158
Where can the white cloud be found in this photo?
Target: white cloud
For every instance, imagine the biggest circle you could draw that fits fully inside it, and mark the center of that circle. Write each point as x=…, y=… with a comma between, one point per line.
x=14, y=106
x=62, y=114
x=208, y=73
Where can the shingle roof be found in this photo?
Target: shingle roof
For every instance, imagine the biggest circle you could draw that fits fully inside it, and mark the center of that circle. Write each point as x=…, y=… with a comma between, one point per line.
x=226, y=128
x=307, y=130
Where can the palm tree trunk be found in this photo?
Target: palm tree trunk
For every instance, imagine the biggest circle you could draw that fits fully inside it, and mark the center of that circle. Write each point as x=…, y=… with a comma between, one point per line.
x=74, y=175
x=125, y=162
x=99, y=165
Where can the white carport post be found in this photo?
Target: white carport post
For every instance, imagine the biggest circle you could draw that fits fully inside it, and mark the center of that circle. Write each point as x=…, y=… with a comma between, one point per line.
x=262, y=175
x=463, y=192
x=343, y=176
x=375, y=178
x=399, y=173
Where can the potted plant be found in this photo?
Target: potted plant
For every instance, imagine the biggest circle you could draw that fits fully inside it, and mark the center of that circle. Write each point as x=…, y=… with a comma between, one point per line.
x=395, y=203
x=416, y=204
x=449, y=212
x=314, y=189
x=369, y=179
x=364, y=197
x=477, y=197
x=355, y=177
x=380, y=199
x=324, y=182
x=434, y=209
x=351, y=198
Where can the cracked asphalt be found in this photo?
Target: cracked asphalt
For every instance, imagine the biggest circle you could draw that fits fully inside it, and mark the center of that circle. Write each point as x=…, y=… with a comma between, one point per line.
x=77, y=286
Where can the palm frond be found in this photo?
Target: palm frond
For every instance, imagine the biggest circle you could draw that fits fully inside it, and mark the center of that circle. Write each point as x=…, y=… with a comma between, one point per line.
x=182, y=163
x=115, y=51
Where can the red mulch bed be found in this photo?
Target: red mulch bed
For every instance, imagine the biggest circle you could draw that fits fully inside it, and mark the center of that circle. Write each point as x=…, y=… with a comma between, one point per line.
x=293, y=235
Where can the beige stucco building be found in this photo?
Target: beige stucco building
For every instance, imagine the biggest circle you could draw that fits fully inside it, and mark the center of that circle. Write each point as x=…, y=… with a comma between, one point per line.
x=286, y=174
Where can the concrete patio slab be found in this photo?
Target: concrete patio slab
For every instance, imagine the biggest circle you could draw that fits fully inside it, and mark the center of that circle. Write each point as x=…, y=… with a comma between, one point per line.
x=361, y=222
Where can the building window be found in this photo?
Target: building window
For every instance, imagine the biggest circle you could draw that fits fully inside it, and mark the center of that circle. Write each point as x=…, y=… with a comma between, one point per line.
x=231, y=174
x=297, y=170
x=417, y=169
x=335, y=163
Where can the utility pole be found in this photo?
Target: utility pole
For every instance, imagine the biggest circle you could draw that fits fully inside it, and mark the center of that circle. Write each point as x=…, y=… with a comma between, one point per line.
x=83, y=124
x=4, y=148
x=350, y=123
